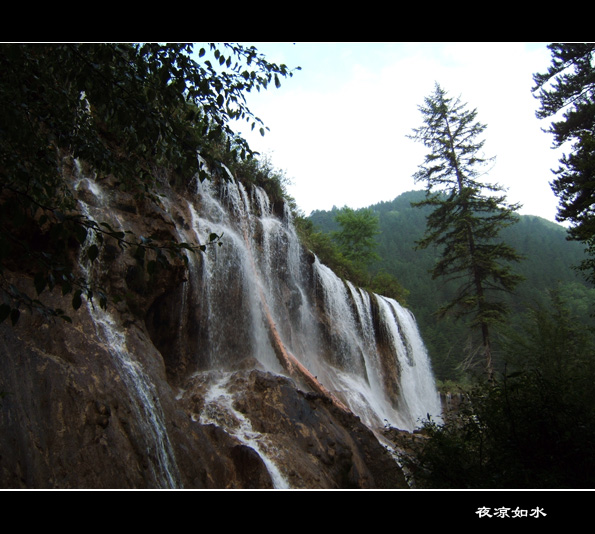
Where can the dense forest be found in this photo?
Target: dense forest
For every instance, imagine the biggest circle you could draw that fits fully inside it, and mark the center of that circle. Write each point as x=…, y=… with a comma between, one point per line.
x=549, y=265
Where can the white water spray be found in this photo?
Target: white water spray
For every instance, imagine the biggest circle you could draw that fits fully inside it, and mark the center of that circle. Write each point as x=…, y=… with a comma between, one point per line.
x=218, y=409
x=144, y=399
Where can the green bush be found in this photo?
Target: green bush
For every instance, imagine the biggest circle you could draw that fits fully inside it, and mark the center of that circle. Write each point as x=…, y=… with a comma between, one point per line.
x=532, y=427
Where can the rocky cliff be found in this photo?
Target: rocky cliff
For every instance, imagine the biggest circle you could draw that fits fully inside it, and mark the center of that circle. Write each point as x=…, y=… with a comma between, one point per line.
x=238, y=369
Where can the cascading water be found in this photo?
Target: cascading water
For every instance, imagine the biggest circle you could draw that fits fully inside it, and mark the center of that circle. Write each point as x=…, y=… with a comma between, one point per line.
x=419, y=397
x=393, y=386
x=261, y=300
x=145, y=403
x=143, y=397
x=260, y=280
x=218, y=409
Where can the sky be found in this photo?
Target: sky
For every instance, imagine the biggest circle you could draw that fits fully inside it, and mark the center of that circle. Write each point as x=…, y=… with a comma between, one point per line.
x=339, y=126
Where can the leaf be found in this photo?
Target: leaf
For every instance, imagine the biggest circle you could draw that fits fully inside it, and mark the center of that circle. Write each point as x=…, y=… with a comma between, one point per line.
x=139, y=253
x=40, y=282
x=93, y=252
x=80, y=233
x=76, y=299
x=103, y=300
x=66, y=288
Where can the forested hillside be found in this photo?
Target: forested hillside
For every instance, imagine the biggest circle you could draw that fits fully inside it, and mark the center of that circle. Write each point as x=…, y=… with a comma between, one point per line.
x=548, y=265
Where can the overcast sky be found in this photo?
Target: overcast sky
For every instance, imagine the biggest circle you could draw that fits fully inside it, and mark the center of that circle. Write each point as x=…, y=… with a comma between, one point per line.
x=339, y=126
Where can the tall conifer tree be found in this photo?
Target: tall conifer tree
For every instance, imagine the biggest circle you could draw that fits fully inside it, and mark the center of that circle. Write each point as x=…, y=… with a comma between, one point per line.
x=567, y=94
x=467, y=217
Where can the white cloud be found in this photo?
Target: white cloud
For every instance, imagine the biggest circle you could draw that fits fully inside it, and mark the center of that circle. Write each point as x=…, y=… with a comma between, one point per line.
x=340, y=131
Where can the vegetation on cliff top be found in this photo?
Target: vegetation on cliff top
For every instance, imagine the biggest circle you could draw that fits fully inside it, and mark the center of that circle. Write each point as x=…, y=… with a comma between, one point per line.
x=126, y=110
x=350, y=250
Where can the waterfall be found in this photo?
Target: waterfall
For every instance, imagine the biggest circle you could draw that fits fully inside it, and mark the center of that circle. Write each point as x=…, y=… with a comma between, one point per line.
x=419, y=397
x=143, y=396
x=228, y=283
x=144, y=399
x=259, y=299
x=260, y=276
x=393, y=387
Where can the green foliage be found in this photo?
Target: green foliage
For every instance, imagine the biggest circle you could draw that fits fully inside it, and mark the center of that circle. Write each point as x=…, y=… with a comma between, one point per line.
x=322, y=244
x=465, y=220
x=133, y=111
x=356, y=238
x=384, y=283
x=260, y=171
x=533, y=427
x=568, y=87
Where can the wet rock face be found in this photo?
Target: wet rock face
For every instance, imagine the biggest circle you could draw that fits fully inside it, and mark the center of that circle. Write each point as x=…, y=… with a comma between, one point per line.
x=72, y=417
x=69, y=420
x=66, y=420
x=312, y=442
x=316, y=443
x=122, y=401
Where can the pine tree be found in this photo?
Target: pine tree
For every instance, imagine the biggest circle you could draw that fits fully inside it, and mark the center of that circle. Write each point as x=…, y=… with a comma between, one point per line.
x=467, y=215
x=569, y=86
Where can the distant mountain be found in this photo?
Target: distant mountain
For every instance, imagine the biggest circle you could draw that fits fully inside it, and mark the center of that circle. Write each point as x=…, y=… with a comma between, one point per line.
x=548, y=265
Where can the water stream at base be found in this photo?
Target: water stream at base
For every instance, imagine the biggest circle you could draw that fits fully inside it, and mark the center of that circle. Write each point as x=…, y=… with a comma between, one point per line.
x=144, y=400
x=218, y=409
